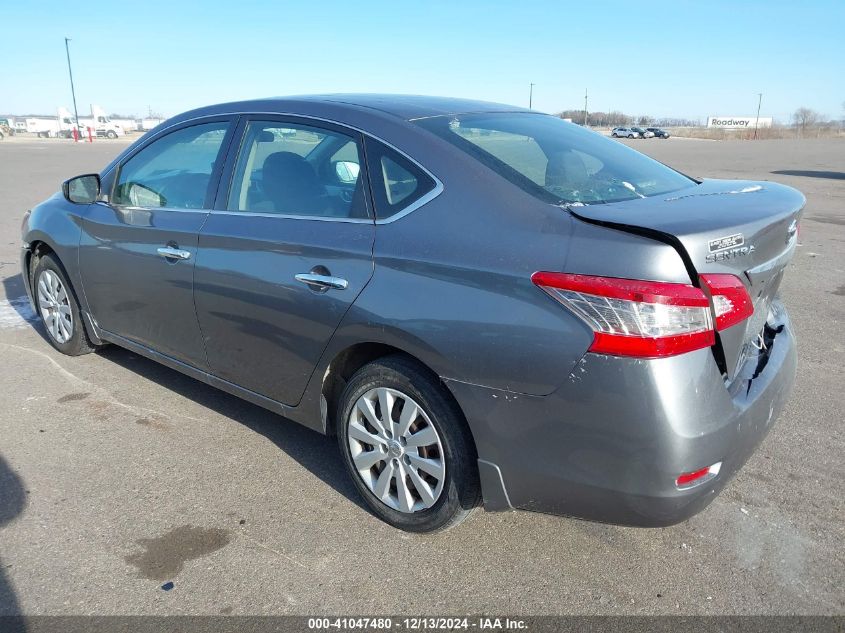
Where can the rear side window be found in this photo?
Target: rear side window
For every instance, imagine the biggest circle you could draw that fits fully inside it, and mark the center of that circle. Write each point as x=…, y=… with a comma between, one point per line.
x=298, y=170
x=173, y=171
x=397, y=182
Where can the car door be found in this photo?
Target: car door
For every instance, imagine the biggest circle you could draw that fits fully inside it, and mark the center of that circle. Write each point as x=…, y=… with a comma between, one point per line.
x=285, y=252
x=138, y=245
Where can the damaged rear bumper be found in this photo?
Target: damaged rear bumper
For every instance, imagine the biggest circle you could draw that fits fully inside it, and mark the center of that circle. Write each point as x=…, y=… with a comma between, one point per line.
x=609, y=444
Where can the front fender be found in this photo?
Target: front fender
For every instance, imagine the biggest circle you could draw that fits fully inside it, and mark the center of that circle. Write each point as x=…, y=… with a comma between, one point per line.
x=57, y=224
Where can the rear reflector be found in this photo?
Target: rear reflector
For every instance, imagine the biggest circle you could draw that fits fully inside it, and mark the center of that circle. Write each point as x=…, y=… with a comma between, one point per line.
x=731, y=302
x=644, y=319
x=688, y=480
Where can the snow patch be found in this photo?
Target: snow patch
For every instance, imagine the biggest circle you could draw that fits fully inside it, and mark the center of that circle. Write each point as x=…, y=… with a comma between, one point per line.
x=16, y=313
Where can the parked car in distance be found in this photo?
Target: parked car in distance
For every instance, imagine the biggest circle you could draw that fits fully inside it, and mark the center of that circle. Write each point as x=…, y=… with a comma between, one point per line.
x=643, y=132
x=480, y=302
x=624, y=132
x=658, y=132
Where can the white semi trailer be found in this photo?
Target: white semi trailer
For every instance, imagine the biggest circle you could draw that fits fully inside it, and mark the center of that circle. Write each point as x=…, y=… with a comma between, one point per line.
x=61, y=126
x=101, y=124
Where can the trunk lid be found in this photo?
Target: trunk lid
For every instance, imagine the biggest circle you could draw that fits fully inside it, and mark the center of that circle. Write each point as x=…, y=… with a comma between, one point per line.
x=745, y=228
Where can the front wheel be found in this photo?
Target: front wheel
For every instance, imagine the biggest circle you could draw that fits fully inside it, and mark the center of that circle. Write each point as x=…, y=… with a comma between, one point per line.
x=407, y=447
x=614, y=135
x=111, y=134
x=58, y=308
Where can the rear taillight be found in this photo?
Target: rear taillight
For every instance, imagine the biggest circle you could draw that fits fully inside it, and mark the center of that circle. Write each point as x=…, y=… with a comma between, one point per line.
x=731, y=302
x=649, y=319
x=646, y=319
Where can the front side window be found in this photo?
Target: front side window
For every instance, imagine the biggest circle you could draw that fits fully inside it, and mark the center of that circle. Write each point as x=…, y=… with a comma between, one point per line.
x=173, y=171
x=557, y=161
x=298, y=170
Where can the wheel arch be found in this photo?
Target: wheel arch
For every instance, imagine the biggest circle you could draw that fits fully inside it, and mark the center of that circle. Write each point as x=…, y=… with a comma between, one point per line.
x=39, y=248
x=350, y=359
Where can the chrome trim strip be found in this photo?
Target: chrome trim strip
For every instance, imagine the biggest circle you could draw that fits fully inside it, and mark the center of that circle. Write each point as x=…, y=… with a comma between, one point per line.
x=319, y=218
x=431, y=195
x=126, y=207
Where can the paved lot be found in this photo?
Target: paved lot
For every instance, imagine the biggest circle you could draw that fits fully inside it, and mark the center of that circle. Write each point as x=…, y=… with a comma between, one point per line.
x=117, y=475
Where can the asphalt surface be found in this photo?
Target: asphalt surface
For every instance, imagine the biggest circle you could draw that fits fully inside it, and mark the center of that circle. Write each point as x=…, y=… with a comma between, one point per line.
x=118, y=475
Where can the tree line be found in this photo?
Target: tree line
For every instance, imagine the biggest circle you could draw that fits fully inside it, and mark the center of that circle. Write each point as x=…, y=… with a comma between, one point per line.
x=615, y=118
x=803, y=119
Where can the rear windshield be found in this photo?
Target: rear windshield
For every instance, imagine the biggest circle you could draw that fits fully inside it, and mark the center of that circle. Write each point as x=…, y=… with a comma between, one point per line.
x=557, y=161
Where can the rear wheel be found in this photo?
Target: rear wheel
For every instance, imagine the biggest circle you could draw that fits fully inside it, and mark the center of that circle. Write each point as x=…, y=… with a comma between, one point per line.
x=407, y=447
x=630, y=136
x=58, y=308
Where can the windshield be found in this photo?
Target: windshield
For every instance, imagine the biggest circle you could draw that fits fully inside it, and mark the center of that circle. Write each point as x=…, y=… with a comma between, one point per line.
x=557, y=161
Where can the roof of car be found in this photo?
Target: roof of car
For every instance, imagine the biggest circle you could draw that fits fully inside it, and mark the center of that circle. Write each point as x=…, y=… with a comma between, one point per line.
x=406, y=106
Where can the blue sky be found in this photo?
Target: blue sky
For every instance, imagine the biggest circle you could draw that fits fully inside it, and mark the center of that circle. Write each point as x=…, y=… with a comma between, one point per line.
x=690, y=59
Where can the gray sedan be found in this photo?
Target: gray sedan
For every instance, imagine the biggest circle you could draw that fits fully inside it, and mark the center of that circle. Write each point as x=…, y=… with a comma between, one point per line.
x=483, y=304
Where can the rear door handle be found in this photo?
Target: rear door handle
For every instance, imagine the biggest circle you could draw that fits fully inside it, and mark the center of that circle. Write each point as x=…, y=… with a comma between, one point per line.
x=322, y=281
x=169, y=252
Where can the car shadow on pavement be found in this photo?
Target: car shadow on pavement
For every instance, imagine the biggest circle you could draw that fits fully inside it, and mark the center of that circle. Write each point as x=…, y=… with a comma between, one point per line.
x=12, y=503
x=316, y=452
x=833, y=175
x=15, y=289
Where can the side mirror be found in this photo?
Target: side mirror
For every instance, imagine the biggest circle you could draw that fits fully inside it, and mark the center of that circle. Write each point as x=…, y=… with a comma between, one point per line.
x=82, y=189
x=347, y=171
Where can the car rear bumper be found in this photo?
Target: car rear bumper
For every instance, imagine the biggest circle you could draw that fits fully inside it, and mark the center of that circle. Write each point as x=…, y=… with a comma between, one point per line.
x=609, y=444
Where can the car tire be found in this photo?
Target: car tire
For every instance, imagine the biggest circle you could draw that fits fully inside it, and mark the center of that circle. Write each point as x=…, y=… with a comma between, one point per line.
x=111, y=134
x=614, y=135
x=439, y=479
x=57, y=306
x=630, y=136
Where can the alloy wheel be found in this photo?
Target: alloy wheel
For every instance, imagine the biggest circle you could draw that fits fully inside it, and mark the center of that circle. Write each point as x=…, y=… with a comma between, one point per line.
x=54, y=305
x=396, y=450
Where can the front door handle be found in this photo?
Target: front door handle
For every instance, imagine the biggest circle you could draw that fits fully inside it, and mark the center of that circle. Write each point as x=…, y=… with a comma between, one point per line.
x=322, y=282
x=169, y=252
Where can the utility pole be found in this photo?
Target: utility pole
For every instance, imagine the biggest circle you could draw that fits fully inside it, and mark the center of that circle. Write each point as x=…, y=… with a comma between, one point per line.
x=72, y=91
x=530, y=95
x=585, y=107
x=757, y=120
